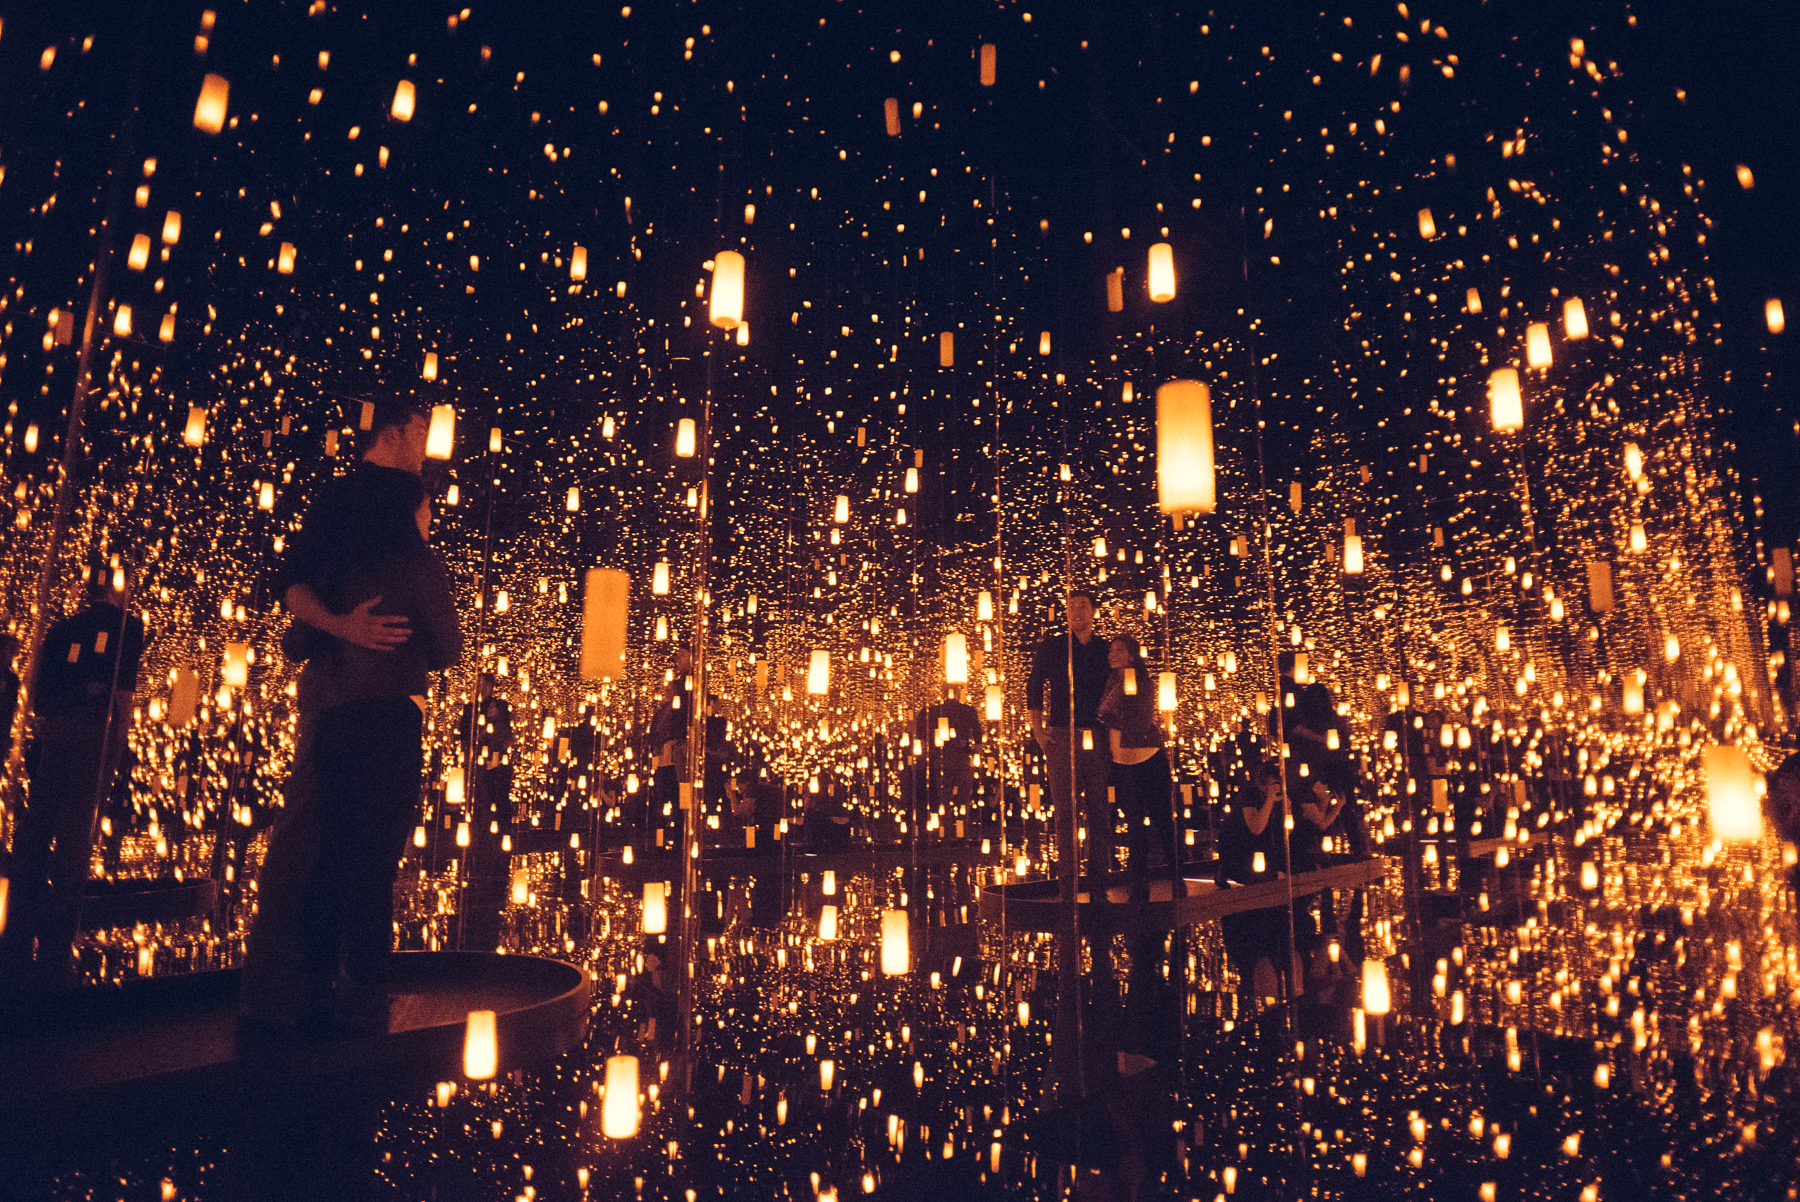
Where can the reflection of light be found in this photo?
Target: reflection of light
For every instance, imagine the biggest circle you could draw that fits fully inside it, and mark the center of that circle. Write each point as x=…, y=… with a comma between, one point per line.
x=1375, y=997
x=896, y=956
x=481, y=1056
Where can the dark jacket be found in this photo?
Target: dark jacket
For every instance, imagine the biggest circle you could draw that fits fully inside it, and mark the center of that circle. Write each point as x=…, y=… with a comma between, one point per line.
x=1050, y=675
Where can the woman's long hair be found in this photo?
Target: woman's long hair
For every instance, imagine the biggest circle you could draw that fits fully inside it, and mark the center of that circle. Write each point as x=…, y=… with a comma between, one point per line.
x=1137, y=657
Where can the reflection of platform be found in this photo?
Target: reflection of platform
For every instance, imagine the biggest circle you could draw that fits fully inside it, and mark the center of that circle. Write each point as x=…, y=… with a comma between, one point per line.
x=104, y=1062
x=108, y=904
x=1032, y=905
x=663, y=864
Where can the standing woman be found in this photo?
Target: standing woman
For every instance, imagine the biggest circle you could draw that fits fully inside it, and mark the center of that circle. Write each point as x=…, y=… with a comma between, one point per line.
x=1141, y=779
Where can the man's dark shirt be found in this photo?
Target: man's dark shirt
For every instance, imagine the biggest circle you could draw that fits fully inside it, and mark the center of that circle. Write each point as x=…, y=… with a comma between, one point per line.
x=1050, y=667
x=965, y=725
x=493, y=730
x=1238, y=846
x=361, y=540
x=79, y=655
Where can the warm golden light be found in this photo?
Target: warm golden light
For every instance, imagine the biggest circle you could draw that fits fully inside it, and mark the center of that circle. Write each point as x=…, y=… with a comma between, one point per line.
x=430, y=369
x=685, y=438
x=1184, y=447
x=1537, y=345
x=818, y=673
x=236, y=669
x=1473, y=300
x=841, y=513
x=441, y=437
x=605, y=606
x=481, y=1053
x=1375, y=997
x=1165, y=693
x=896, y=954
x=828, y=922
x=284, y=261
x=194, y=434
x=947, y=349
x=619, y=1110
x=1774, y=316
x=209, y=112
x=1353, y=554
x=727, y=303
x=656, y=908
x=578, y=263
x=956, y=658
x=1505, y=405
x=1575, y=324
x=402, y=109
x=989, y=61
x=1427, y=225
x=1733, y=803
x=1162, y=272
x=659, y=579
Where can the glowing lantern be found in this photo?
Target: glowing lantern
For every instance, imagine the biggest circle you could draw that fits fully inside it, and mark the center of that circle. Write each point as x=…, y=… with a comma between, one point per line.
x=827, y=1074
x=896, y=956
x=727, y=304
x=828, y=922
x=818, y=673
x=1600, y=588
x=1184, y=447
x=619, y=1111
x=1537, y=344
x=1634, y=461
x=659, y=579
x=578, y=263
x=481, y=1053
x=171, y=230
x=1129, y=683
x=890, y=111
x=1575, y=323
x=656, y=908
x=1375, y=996
x=442, y=434
x=989, y=57
x=122, y=322
x=956, y=658
x=1746, y=179
x=453, y=796
x=1633, y=699
x=841, y=513
x=1165, y=693
x=1774, y=316
x=1162, y=272
x=984, y=606
x=265, y=496
x=1590, y=875
x=1731, y=794
x=431, y=365
x=1115, y=290
x=947, y=349
x=1473, y=301
x=236, y=672
x=209, y=112
x=573, y=502
x=1427, y=226
x=139, y=256
x=1639, y=541
x=195, y=433
x=1353, y=554
x=403, y=101
x=605, y=604
x=995, y=699
x=1044, y=343
x=1505, y=404
x=685, y=438
x=165, y=331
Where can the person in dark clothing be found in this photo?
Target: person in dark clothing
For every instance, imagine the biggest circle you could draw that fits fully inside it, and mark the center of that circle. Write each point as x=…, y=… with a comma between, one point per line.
x=1253, y=849
x=1070, y=734
x=668, y=744
x=81, y=714
x=945, y=775
x=380, y=616
x=1142, y=782
x=484, y=736
x=9, y=692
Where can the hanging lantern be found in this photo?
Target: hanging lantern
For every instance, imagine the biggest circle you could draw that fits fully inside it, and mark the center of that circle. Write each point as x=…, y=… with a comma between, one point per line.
x=1353, y=555
x=171, y=228
x=659, y=579
x=1732, y=801
x=896, y=956
x=431, y=364
x=619, y=1110
x=236, y=670
x=727, y=305
x=656, y=909
x=1600, y=586
x=442, y=435
x=1375, y=996
x=685, y=438
x=828, y=922
x=165, y=331
x=995, y=700
x=989, y=60
x=947, y=349
x=1634, y=461
x=1633, y=693
x=122, y=322
x=138, y=257
x=890, y=111
x=1165, y=693
x=1115, y=290
x=284, y=262
x=1162, y=272
x=984, y=607
x=578, y=263
x=956, y=658
x=209, y=112
x=1537, y=345
x=195, y=433
x=453, y=796
x=1184, y=447
x=743, y=333
x=573, y=501
x=1427, y=226
x=1774, y=316
x=1639, y=541
x=1575, y=325
x=841, y=513
x=1473, y=300
x=403, y=101
x=481, y=1053
x=1044, y=343
x=1505, y=404
x=818, y=673
x=912, y=480
x=605, y=606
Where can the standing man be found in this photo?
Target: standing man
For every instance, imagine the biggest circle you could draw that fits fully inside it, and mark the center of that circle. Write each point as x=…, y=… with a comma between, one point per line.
x=359, y=574
x=82, y=711
x=1073, y=732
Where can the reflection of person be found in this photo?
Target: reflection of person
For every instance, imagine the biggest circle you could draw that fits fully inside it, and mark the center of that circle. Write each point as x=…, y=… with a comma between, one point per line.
x=484, y=735
x=1140, y=765
x=945, y=776
x=82, y=711
x=668, y=739
x=1252, y=849
x=1067, y=732
x=358, y=571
